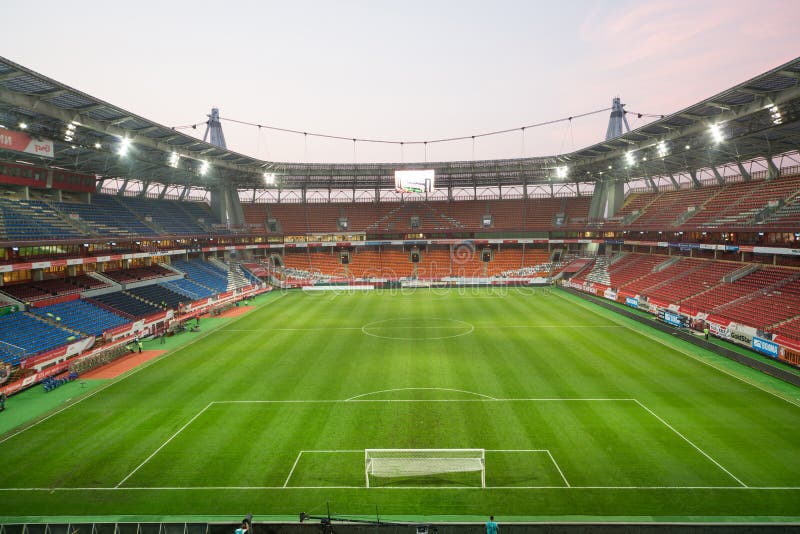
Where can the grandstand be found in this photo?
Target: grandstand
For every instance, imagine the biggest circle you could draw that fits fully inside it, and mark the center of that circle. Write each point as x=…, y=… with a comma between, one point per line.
x=691, y=230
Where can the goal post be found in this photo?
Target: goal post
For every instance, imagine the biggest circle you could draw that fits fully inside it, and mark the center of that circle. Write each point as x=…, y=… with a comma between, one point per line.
x=388, y=463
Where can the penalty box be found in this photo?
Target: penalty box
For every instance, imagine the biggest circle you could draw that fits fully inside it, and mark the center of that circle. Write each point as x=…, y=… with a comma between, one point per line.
x=529, y=443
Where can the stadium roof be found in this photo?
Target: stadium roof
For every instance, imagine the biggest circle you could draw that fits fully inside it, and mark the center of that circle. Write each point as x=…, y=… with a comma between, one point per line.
x=677, y=144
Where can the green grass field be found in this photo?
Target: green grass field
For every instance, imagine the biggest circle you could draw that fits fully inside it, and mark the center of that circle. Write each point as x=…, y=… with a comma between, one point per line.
x=584, y=415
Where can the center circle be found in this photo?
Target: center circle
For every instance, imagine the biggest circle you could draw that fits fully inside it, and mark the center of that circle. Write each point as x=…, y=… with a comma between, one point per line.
x=415, y=329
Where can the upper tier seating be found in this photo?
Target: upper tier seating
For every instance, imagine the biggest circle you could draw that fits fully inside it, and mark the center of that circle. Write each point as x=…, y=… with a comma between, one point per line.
x=166, y=214
x=107, y=217
x=433, y=216
x=23, y=335
x=33, y=220
x=82, y=316
x=737, y=204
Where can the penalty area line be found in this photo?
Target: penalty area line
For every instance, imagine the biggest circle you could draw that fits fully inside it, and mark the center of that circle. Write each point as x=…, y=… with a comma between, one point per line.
x=173, y=436
x=690, y=442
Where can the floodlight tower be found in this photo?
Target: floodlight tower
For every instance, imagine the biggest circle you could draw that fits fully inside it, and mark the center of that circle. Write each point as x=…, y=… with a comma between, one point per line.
x=214, y=128
x=616, y=120
x=224, y=197
x=609, y=191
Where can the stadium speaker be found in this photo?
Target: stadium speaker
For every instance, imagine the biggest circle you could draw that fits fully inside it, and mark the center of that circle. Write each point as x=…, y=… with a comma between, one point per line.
x=415, y=257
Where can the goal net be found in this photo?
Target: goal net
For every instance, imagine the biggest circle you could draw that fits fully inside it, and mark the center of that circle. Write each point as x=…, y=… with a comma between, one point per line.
x=390, y=463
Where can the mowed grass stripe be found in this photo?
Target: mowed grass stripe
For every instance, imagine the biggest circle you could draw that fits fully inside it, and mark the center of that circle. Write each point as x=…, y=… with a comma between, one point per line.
x=105, y=437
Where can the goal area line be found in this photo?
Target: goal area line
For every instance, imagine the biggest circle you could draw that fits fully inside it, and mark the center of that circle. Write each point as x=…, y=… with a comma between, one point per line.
x=361, y=451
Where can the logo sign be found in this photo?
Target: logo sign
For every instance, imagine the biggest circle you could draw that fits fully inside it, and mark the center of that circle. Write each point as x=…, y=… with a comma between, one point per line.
x=632, y=302
x=673, y=318
x=22, y=142
x=718, y=330
x=765, y=347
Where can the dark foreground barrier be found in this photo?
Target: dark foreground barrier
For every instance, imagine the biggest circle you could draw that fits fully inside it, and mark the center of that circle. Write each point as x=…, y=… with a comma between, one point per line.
x=342, y=527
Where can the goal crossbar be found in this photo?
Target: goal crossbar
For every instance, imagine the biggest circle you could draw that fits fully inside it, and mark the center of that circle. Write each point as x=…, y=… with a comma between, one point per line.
x=421, y=462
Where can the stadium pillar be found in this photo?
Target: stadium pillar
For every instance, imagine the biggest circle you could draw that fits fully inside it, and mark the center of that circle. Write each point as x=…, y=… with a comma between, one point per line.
x=743, y=171
x=225, y=202
x=773, y=171
x=607, y=199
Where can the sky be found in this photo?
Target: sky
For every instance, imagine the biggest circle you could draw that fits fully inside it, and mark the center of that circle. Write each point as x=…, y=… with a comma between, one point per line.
x=400, y=70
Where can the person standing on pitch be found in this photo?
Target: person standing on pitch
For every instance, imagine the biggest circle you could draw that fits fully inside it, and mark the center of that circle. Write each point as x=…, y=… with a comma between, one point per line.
x=491, y=526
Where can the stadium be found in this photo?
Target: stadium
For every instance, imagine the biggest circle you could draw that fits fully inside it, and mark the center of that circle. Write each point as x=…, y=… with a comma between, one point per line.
x=607, y=336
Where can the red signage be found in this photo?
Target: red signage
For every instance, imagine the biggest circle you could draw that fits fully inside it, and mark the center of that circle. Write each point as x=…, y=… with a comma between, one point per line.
x=22, y=142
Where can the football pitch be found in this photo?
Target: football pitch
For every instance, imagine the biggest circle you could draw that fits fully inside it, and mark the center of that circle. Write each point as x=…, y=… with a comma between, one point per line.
x=582, y=415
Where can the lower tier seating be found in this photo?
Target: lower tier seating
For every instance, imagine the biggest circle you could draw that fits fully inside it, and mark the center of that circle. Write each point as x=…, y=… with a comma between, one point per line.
x=24, y=335
x=82, y=316
x=124, y=304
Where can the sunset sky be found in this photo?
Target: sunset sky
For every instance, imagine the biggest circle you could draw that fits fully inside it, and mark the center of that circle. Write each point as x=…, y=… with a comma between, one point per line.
x=409, y=70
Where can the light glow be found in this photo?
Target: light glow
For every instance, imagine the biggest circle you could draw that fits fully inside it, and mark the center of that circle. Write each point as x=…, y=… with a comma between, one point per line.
x=174, y=158
x=203, y=168
x=562, y=172
x=716, y=133
x=269, y=178
x=124, y=145
x=630, y=158
x=662, y=149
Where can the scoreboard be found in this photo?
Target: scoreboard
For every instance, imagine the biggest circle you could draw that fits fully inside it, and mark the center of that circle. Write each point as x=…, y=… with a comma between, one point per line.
x=417, y=181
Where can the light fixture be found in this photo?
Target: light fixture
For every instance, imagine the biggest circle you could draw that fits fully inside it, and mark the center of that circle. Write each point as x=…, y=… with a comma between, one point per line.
x=775, y=114
x=203, y=168
x=23, y=126
x=687, y=147
x=124, y=145
x=662, y=149
x=716, y=133
x=562, y=172
x=98, y=146
x=630, y=158
x=174, y=158
x=269, y=178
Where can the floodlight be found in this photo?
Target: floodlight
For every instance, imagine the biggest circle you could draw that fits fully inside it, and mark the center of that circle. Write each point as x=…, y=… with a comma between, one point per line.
x=70, y=126
x=775, y=114
x=174, y=158
x=662, y=149
x=98, y=146
x=124, y=145
x=23, y=126
x=269, y=178
x=630, y=158
x=562, y=172
x=687, y=147
x=203, y=168
x=716, y=133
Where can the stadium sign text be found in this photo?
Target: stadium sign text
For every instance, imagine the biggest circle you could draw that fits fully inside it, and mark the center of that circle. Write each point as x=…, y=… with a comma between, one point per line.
x=766, y=347
x=21, y=142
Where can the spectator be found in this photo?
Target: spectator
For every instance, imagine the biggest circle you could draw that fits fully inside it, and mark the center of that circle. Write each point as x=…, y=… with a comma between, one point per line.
x=491, y=526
